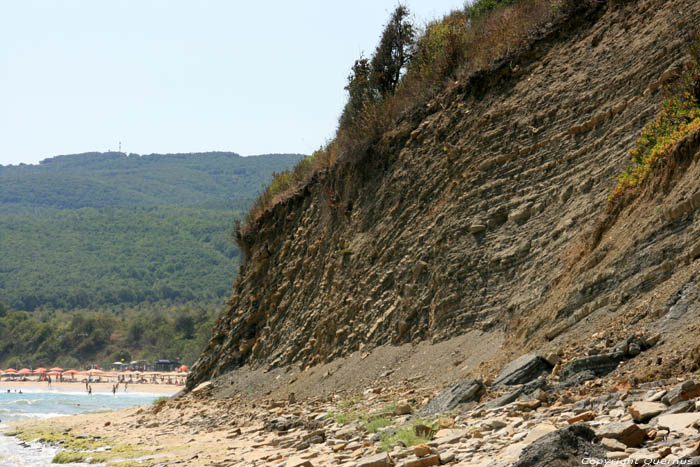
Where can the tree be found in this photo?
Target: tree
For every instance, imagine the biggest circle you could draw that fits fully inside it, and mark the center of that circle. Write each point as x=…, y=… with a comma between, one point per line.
x=359, y=90
x=375, y=78
x=393, y=52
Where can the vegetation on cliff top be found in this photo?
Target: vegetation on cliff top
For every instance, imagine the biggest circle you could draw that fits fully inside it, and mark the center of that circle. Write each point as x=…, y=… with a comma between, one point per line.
x=409, y=66
x=679, y=116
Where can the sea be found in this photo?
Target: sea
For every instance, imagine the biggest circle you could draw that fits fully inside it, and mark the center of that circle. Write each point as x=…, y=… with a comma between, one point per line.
x=36, y=403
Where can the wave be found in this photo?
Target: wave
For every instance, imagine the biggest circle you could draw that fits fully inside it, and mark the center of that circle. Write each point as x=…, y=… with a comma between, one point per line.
x=41, y=415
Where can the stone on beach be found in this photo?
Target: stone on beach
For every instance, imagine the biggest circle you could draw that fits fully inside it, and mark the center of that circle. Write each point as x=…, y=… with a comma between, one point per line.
x=644, y=411
x=465, y=390
x=523, y=370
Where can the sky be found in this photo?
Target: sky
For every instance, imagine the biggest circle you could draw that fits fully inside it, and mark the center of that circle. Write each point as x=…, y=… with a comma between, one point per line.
x=164, y=76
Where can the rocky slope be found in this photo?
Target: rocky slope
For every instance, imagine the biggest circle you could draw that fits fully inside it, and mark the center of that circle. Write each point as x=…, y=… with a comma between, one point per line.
x=476, y=213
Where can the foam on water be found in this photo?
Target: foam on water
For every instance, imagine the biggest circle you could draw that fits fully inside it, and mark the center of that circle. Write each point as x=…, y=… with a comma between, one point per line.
x=37, y=403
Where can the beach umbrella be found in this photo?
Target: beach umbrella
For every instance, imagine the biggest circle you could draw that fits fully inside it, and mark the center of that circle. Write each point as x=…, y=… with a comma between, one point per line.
x=70, y=372
x=39, y=370
x=25, y=371
x=54, y=373
x=10, y=370
x=95, y=372
x=56, y=369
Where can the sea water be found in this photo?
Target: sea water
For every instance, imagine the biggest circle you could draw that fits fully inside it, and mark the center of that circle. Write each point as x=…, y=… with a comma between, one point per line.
x=34, y=403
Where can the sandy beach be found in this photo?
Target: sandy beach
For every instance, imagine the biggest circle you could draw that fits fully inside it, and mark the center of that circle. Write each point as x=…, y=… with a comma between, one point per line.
x=34, y=386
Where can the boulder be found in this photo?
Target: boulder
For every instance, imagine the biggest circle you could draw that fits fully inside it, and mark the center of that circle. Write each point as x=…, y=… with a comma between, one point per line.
x=452, y=438
x=612, y=444
x=523, y=370
x=644, y=411
x=503, y=400
x=403, y=408
x=465, y=390
x=683, y=392
x=377, y=460
x=627, y=433
x=583, y=417
x=204, y=387
x=598, y=365
x=562, y=448
x=421, y=462
x=680, y=407
x=680, y=422
x=421, y=450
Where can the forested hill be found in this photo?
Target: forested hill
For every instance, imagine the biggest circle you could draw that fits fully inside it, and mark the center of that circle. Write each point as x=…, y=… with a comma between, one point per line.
x=102, y=230
x=220, y=179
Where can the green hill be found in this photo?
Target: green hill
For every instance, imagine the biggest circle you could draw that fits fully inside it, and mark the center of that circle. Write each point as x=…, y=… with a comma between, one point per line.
x=99, y=180
x=125, y=237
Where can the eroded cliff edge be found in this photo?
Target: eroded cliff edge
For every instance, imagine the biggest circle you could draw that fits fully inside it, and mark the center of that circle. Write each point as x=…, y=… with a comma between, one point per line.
x=476, y=212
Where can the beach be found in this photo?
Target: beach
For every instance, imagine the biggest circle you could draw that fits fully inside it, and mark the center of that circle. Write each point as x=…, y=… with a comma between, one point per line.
x=164, y=389
x=36, y=403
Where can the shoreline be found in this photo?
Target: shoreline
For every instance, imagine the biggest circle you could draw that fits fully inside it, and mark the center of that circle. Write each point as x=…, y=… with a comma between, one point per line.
x=97, y=388
x=362, y=429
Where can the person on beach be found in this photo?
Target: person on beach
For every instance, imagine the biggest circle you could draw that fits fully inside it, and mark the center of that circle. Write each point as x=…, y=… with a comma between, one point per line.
x=114, y=389
x=48, y=380
x=125, y=385
x=90, y=390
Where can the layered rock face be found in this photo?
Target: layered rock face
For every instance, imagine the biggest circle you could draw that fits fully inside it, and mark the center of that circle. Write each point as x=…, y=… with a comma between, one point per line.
x=474, y=212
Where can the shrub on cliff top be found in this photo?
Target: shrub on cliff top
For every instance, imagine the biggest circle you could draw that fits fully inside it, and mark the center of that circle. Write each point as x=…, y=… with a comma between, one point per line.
x=405, y=72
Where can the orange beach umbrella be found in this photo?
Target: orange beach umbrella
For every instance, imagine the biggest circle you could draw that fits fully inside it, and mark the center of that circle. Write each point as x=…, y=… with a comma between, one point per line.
x=56, y=369
x=10, y=370
x=25, y=371
x=70, y=372
x=54, y=373
x=39, y=370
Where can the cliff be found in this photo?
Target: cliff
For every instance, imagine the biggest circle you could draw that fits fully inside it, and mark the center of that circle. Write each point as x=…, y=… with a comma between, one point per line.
x=487, y=209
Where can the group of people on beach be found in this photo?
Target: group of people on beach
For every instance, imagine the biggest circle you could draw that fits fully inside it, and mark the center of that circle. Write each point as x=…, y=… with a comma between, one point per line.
x=115, y=387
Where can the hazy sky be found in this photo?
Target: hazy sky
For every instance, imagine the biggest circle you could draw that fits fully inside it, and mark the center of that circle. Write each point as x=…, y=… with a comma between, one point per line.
x=181, y=76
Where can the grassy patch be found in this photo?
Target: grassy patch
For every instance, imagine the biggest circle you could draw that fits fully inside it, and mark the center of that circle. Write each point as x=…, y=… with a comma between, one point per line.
x=679, y=116
x=68, y=457
x=121, y=454
x=77, y=448
x=161, y=400
x=348, y=411
x=408, y=435
x=375, y=424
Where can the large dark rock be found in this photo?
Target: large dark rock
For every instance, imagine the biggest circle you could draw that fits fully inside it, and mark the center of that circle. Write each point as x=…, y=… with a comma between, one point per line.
x=598, y=365
x=562, y=448
x=502, y=400
x=466, y=390
x=523, y=370
x=520, y=393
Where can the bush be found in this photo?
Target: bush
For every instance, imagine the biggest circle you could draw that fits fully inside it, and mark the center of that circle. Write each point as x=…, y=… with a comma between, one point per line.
x=442, y=48
x=679, y=116
x=480, y=7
